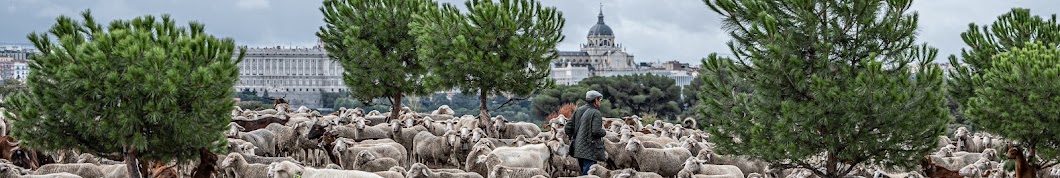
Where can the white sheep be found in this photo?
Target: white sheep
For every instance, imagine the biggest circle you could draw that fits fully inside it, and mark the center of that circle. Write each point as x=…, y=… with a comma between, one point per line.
x=291, y=170
x=504, y=129
x=746, y=165
x=264, y=139
x=631, y=173
x=515, y=172
x=405, y=133
x=601, y=171
x=241, y=168
x=80, y=169
x=110, y=168
x=665, y=161
x=419, y=170
x=368, y=162
x=346, y=150
x=443, y=109
x=695, y=166
x=430, y=148
x=360, y=131
x=961, y=159
x=616, y=152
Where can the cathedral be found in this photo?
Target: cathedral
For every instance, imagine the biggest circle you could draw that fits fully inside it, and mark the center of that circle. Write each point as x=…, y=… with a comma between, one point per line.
x=600, y=55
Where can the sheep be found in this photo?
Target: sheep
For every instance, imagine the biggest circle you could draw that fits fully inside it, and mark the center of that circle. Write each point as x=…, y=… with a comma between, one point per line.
x=437, y=127
x=359, y=132
x=233, y=130
x=367, y=161
x=961, y=159
x=617, y=154
x=442, y=110
x=630, y=173
x=504, y=129
x=241, y=168
x=405, y=133
x=746, y=165
x=255, y=159
x=515, y=172
x=288, y=169
x=265, y=141
x=476, y=159
x=529, y=156
x=346, y=151
x=665, y=161
x=601, y=171
x=79, y=169
x=467, y=121
x=695, y=166
x=420, y=170
x=436, y=148
x=390, y=174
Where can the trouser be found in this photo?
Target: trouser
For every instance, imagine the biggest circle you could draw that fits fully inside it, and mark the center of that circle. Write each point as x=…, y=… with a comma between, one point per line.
x=586, y=163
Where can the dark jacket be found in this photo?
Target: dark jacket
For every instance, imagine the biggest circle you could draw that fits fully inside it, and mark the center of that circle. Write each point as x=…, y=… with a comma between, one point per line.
x=586, y=131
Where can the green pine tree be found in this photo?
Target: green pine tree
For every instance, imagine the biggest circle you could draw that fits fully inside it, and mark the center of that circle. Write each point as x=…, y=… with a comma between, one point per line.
x=371, y=39
x=1014, y=99
x=831, y=85
x=142, y=90
x=1012, y=29
x=494, y=49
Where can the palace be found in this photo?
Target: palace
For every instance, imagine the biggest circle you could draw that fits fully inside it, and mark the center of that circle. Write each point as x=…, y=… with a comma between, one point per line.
x=300, y=74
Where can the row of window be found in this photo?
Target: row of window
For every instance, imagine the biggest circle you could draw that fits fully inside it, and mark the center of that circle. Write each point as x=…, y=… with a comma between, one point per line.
x=299, y=90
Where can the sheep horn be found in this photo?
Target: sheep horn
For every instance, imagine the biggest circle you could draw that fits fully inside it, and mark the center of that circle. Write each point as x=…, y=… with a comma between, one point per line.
x=13, y=143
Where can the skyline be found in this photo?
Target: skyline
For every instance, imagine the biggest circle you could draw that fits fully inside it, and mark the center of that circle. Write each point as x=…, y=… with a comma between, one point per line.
x=682, y=30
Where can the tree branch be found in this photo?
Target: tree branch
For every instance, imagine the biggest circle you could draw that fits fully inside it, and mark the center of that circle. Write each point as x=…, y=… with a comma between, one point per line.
x=506, y=103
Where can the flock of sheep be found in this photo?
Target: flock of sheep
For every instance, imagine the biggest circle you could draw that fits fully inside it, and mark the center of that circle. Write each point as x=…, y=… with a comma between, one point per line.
x=301, y=143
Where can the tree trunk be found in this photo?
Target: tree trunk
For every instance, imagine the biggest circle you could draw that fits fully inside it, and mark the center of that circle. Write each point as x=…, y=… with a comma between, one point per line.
x=484, y=115
x=395, y=107
x=133, y=164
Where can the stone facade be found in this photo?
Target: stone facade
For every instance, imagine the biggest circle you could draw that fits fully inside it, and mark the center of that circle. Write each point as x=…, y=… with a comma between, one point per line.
x=300, y=74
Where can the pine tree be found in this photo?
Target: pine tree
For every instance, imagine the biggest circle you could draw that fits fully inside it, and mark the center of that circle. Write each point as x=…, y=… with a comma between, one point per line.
x=1011, y=30
x=371, y=39
x=496, y=48
x=831, y=85
x=142, y=90
x=1014, y=99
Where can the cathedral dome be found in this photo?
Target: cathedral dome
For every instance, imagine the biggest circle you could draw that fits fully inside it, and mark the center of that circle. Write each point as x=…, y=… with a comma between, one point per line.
x=600, y=28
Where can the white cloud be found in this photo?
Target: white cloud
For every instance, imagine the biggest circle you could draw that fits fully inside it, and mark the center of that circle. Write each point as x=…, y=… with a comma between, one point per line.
x=252, y=4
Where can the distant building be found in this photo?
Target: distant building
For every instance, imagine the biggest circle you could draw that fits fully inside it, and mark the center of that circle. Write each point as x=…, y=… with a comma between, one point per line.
x=300, y=74
x=603, y=56
x=19, y=70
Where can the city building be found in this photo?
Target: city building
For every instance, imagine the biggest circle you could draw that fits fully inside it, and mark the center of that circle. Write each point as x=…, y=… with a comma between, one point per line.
x=19, y=70
x=603, y=56
x=300, y=75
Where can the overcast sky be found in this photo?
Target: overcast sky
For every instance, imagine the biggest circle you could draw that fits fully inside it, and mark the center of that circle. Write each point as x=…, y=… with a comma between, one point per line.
x=653, y=30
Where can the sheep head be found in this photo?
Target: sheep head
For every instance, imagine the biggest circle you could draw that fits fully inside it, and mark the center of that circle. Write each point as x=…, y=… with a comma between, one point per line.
x=498, y=123
x=634, y=145
x=248, y=148
x=558, y=147
x=477, y=135
x=989, y=153
x=285, y=169
x=452, y=138
x=362, y=122
x=365, y=156
x=598, y=170
x=692, y=164
x=231, y=159
x=419, y=170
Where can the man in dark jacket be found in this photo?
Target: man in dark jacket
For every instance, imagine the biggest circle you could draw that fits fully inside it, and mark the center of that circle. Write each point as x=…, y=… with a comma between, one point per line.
x=586, y=132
